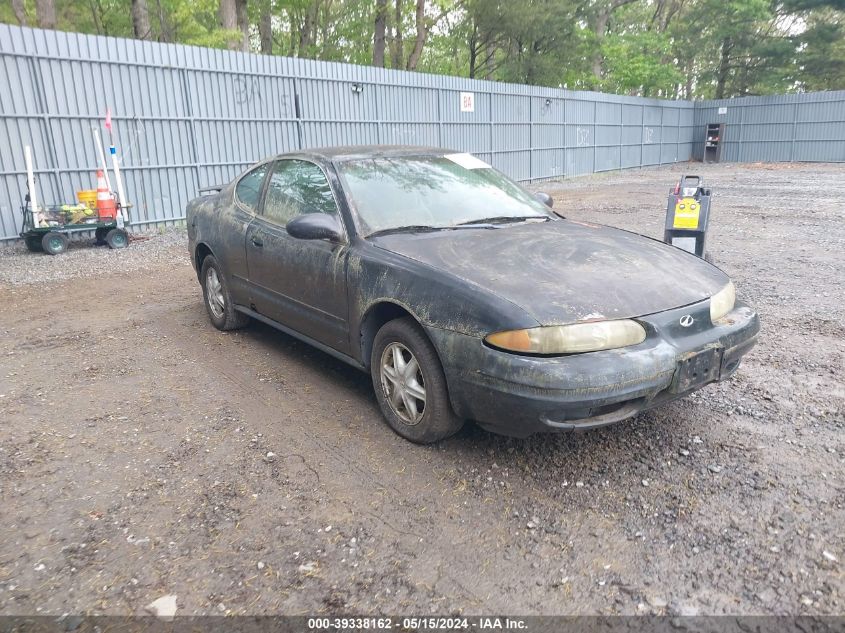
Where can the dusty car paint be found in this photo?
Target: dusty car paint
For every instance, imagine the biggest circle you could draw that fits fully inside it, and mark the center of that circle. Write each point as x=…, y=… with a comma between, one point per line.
x=463, y=285
x=552, y=270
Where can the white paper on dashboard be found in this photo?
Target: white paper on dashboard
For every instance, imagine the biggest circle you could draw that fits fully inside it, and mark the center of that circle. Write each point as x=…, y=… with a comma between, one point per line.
x=467, y=161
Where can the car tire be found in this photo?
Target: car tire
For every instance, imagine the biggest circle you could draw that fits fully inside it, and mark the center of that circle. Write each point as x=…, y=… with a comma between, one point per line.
x=413, y=398
x=218, y=300
x=54, y=243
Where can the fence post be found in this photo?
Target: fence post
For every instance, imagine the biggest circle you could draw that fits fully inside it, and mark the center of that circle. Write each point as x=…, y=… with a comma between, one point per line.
x=52, y=158
x=439, y=94
x=297, y=105
x=794, y=132
x=621, y=131
x=492, y=125
x=531, y=138
x=595, y=139
x=189, y=110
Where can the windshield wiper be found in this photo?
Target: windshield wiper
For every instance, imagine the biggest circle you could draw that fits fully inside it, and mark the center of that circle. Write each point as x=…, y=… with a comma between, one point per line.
x=411, y=228
x=505, y=219
x=425, y=228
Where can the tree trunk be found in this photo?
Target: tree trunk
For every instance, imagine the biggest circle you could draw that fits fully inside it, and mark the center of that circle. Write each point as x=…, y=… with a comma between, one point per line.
x=422, y=36
x=165, y=31
x=489, y=55
x=45, y=11
x=473, y=51
x=229, y=21
x=600, y=30
x=265, y=28
x=243, y=24
x=397, y=52
x=140, y=20
x=306, y=36
x=378, y=33
x=722, y=74
x=20, y=12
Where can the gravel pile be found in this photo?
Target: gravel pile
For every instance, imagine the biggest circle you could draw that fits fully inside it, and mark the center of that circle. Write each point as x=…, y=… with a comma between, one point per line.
x=20, y=267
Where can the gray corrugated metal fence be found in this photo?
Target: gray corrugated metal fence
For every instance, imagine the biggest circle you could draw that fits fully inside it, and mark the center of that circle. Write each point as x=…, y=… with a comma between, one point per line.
x=801, y=127
x=187, y=116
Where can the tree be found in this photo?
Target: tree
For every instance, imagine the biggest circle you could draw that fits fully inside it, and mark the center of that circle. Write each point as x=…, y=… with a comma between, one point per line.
x=424, y=24
x=822, y=46
x=45, y=10
x=233, y=20
x=602, y=11
x=141, y=20
x=668, y=48
x=397, y=46
x=379, y=33
x=265, y=27
x=20, y=12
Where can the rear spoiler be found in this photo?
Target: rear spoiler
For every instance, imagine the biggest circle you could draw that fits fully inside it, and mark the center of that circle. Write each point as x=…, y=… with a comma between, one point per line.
x=211, y=188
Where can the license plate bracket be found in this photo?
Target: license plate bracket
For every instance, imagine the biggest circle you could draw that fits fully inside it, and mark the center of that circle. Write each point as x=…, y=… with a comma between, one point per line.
x=697, y=369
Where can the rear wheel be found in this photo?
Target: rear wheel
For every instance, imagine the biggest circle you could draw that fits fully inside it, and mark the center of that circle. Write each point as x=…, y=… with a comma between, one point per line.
x=54, y=243
x=117, y=238
x=218, y=301
x=410, y=385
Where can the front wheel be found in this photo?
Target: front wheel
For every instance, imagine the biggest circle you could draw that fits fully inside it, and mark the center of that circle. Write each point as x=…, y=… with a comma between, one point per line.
x=410, y=385
x=218, y=301
x=54, y=243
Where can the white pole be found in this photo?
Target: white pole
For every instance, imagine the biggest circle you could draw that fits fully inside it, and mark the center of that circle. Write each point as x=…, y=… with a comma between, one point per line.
x=121, y=218
x=99, y=145
x=30, y=183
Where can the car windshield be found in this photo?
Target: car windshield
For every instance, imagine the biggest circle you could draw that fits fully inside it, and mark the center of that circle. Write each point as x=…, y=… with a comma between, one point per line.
x=434, y=192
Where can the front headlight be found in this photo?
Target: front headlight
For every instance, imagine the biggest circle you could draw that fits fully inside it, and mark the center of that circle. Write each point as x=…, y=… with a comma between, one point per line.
x=722, y=302
x=570, y=339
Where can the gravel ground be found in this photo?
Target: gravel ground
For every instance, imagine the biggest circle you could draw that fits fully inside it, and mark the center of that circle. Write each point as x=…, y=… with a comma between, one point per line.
x=143, y=454
x=20, y=267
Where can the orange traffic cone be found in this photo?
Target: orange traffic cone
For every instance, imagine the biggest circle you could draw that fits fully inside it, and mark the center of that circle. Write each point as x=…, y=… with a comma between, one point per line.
x=106, y=206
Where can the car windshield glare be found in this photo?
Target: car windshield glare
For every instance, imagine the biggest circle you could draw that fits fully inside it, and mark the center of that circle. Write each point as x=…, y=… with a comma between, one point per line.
x=433, y=191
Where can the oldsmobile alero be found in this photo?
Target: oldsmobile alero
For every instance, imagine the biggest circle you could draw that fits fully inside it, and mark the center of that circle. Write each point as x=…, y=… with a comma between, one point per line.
x=463, y=295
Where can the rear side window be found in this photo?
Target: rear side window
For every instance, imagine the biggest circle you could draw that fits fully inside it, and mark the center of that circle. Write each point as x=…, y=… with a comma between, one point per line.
x=248, y=189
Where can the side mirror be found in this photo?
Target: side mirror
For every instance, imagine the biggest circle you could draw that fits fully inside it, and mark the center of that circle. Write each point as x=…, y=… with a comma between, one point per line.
x=315, y=226
x=545, y=198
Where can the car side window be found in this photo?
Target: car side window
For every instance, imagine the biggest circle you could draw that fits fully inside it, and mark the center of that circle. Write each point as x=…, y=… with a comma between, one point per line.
x=297, y=187
x=248, y=189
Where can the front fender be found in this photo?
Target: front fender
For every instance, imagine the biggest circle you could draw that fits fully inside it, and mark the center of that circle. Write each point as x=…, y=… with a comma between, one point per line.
x=434, y=297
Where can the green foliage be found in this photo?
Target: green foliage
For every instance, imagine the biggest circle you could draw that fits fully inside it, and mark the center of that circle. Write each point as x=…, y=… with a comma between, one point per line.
x=669, y=48
x=640, y=63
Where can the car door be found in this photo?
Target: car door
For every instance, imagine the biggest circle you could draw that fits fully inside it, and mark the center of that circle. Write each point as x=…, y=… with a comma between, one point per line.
x=299, y=283
x=233, y=224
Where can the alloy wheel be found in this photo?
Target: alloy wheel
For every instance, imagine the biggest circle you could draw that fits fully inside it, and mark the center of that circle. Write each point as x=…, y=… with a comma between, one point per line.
x=214, y=292
x=403, y=383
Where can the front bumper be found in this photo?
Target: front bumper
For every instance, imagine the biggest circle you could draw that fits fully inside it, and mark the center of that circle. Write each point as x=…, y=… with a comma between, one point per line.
x=519, y=395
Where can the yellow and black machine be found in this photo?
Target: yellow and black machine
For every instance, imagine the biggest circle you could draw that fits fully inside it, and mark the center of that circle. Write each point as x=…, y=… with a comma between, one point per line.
x=687, y=216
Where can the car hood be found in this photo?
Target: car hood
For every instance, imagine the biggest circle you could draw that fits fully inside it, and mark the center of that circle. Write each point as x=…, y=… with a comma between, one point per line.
x=563, y=271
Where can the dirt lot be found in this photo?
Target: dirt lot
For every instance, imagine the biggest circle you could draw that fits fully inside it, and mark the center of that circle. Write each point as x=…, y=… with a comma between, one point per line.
x=143, y=453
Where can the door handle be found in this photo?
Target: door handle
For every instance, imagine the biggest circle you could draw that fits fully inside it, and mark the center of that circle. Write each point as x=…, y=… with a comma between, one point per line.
x=256, y=241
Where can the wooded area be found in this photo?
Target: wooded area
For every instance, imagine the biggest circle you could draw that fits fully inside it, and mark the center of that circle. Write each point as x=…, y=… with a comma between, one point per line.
x=667, y=48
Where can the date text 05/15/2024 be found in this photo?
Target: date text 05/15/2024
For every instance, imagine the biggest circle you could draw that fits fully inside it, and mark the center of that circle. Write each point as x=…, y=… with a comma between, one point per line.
x=424, y=623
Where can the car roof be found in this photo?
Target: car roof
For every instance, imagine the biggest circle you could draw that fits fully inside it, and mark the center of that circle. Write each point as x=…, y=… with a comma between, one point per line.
x=357, y=152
